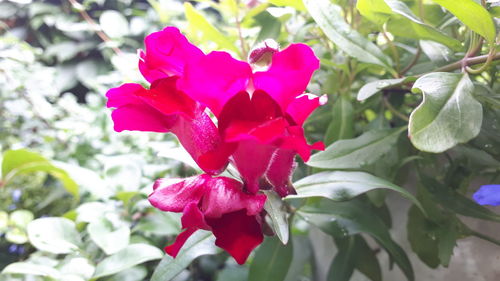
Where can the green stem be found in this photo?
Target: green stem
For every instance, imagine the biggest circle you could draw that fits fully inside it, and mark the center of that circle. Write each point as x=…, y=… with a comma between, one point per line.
x=394, y=110
x=485, y=237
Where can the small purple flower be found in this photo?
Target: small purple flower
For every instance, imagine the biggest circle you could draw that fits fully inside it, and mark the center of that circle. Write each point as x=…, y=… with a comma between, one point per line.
x=16, y=195
x=488, y=195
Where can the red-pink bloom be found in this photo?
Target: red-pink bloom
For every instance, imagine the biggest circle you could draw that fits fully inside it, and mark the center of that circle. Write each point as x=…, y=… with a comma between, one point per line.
x=216, y=204
x=259, y=114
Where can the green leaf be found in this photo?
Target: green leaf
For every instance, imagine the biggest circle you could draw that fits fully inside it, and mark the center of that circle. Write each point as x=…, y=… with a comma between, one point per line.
x=54, y=235
x=367, y=261
x=126, y=258
x=270, y=26
x=456, y=202
x=376, y=11
x=473, y=15
x=4, y=221
x=297, y=4
x=448, y=114
x=16, y=235
x=375, y=87
x=276, y=210
x=22, y=161
x=328, y=17
x=348, y=218
x=31, y=269
x=233, y=273
x=412, y=27
x=343, y=186
x=114, y=24
x=109, y=239
x=272, y=261
x=421, y=237
x=342, y=125
x=358, y=152
x=21, y=218
x=343, y=263
x=199, y=244
x=198, y=24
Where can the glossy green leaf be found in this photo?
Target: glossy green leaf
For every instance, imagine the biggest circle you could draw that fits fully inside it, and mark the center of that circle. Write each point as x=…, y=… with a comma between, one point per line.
x=372, y=88
x=344, y=185
x=358, y=152
x=328, y=16
x=276, y=210
x=473, y=15
x=199, y=24
x=448, y=114
x=272, y=261
x=128, y=257
x=375, y=10
x=342, y=125
x=23, y=161
x=410, y=26
x=199, y=244
x=54, y=235
x=107, y=237
x=348, y=218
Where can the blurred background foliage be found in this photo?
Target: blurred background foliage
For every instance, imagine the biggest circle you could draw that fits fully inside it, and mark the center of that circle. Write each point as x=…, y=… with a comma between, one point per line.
x=73, y=193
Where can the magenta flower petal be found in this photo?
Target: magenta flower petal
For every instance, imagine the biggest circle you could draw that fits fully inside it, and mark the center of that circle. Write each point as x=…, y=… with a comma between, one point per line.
x=225, y=195
x=175, y=197
x=302, y=106
x=133, y=114
x=252, y=158
x=296, y=141
x=192, y=217
x=279, y=173
x=167, y=53
x=237, y=233
x=200, y=137
x=214, y=79
x=174, y=248
x=289, y=74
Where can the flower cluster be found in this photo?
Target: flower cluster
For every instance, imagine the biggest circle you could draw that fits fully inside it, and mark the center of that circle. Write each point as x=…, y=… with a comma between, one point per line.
x=259, y=117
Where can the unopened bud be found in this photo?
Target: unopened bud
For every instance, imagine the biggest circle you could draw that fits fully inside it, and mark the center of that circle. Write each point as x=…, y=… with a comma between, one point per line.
x=262, y=54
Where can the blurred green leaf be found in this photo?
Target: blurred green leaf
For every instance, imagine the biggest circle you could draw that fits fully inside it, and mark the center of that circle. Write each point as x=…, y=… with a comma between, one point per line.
x=128, y=257
x=200, y=243
x=23, y=161
x=352, y=217
x=297, y=4
x=343, y=263
x=54, y=235
x=366, y=260
x=412, y=27
x=114, y=24
x=422, y=238
x=328, y=16
x=270, y=26
x=31, y=269
x=358, y=152
x=473, y=15
x=21, y=218
x=107, y=237
x=448, y=115
x=198, y=24
x=233, y=273
x=342, y=124
x=343, y=186
x=375, y=10
x=272, y=261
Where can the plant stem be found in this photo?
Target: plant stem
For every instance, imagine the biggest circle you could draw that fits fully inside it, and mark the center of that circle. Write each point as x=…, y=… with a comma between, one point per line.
x=393, y=48
x=412, y=63
x=240, y=35
x=485, y=237
x=394, y=110
x=467, y=61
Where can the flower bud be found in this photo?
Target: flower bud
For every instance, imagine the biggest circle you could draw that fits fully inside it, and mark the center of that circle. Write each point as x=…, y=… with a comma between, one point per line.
x=262, y=54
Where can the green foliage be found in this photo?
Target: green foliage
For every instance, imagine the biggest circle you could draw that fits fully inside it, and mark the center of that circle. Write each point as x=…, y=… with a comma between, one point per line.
x=413, y=109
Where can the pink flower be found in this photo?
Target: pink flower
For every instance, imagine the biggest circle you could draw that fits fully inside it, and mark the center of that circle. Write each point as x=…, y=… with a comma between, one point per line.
x=215, y=204
x=259, y=114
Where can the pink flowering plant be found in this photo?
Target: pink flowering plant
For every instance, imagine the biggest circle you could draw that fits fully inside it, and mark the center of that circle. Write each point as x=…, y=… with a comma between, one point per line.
x=258, y=114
